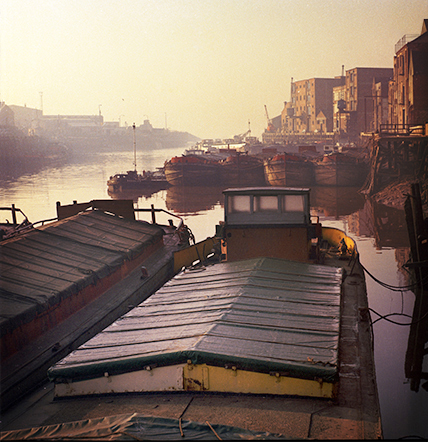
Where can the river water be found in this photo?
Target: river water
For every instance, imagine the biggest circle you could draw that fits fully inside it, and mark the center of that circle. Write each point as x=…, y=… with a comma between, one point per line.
x=380, y=233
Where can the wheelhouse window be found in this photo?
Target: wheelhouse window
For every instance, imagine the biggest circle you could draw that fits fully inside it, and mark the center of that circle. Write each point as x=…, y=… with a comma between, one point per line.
x=266, y=203
x=264, y=206
x=293, y=203
x=240, y=204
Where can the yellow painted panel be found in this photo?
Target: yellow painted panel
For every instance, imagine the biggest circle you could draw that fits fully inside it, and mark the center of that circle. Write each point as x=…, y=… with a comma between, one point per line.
x=209, y=378
x=169, y=378
x=201, y=377
x=185, y=257
x=334, y=236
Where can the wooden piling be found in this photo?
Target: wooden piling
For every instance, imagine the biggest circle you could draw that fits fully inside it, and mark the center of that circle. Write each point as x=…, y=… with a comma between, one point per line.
x=418, y=336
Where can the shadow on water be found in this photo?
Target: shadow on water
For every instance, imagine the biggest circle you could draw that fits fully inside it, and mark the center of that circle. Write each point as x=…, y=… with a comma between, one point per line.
x=336, y=201
x=386, y=224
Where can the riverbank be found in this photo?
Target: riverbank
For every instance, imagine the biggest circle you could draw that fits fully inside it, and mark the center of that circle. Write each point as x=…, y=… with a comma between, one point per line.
x=395, y=194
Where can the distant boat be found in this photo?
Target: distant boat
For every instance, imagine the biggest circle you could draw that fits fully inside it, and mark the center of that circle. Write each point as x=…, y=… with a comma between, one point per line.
x=242, y=170
x=215, y=150
x=192, y=170
x=131, y=180
x=288, y=170
x=340, y=169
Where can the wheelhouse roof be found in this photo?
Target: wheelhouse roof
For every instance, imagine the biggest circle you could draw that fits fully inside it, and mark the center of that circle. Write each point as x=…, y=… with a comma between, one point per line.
x=267, y=190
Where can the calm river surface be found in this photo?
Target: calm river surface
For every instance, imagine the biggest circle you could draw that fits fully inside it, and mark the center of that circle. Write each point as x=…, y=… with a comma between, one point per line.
x=380, y=233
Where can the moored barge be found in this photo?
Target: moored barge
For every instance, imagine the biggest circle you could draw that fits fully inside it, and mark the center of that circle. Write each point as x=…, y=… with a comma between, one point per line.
x=192, y=170
x=242, y=169
x=274, y=341
x=133, y=181
x=340, y=169
x=289, y=170
x=59, y=283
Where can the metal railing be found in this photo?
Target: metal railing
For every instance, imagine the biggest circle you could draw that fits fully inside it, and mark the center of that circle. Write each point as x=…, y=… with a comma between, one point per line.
x=14, y=228
x=401, y=129
x=153, y=212
x=13, y=211
x=404, y=40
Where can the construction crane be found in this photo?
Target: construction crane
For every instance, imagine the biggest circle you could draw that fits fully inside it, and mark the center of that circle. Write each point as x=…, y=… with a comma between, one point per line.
x=241, y=137
x=270, y=126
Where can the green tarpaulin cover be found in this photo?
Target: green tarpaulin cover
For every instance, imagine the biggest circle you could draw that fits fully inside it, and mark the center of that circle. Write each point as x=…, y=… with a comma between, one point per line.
x=260, y=315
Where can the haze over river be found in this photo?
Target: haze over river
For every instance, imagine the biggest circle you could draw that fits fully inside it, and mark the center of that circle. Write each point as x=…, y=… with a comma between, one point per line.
x=380, y=232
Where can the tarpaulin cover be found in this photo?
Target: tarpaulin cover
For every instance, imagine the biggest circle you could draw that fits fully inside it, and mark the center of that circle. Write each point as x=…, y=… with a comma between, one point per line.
x=39, y=269
x=137, y=427
x=260, y=315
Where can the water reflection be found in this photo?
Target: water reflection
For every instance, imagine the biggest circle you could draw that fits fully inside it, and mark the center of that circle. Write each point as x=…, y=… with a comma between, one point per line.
x=132, y=194
x=190, y=199
x=364, y=217
x=336, y=201
x=387, y=225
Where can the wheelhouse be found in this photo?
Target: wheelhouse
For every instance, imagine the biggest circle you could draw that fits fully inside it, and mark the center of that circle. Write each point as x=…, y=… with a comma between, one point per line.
x=268, y=221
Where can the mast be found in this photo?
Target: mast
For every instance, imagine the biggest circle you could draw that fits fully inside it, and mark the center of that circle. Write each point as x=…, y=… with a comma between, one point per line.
x=135, y=149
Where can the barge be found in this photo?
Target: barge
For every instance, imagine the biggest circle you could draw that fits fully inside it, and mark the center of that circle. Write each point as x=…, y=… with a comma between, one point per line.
x=289, y=170
x=238, y=169
x=242, y=170
x=192, y=170
x=267, y=338
x=340, y=169
x=132, y=181
x=59, y=283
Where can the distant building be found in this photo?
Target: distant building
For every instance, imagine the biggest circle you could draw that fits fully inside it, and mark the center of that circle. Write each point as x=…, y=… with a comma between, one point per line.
x=7, y=117
x=408, y=91
x=380, y=89
x=359, y=104
x=146, y=126
x=312, y=104
x=32, y=121
x=26, y=118
x=76, y=126
x=111, y=128
x=359, y=96
x=342, y=120
x=308, y=116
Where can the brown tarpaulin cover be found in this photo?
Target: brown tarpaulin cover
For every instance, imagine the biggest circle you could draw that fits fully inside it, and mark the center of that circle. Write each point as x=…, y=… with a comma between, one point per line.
x=136, y=427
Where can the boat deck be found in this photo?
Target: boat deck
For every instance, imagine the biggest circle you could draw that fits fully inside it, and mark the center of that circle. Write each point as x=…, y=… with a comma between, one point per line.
x=353, y=414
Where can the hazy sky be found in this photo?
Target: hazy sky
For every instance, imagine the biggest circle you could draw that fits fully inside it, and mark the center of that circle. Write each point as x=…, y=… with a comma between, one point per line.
x=202, y=66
